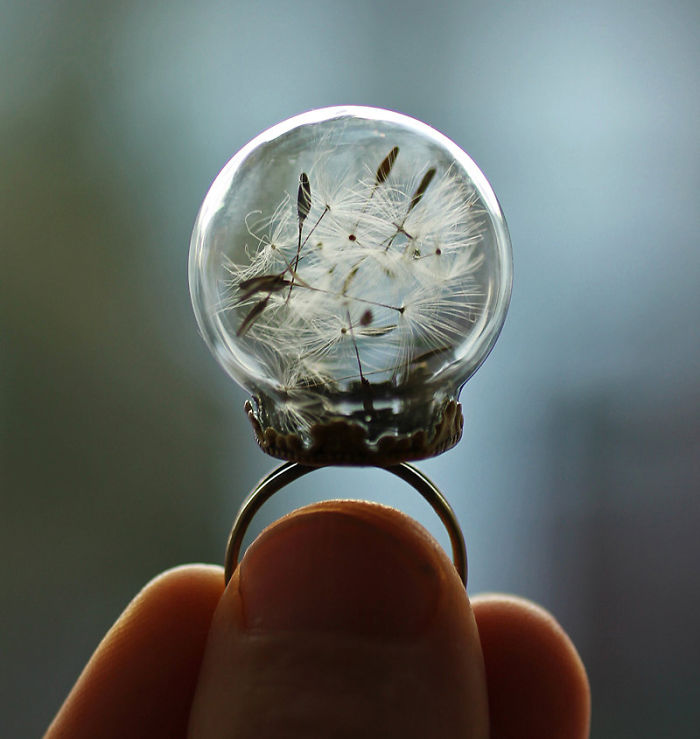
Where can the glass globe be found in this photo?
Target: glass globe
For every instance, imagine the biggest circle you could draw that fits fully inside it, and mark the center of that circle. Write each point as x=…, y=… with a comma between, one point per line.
x=351, y=268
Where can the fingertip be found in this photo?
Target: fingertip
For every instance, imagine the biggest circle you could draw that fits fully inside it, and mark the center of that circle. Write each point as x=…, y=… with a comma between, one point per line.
x=343, y=566
x=343, y=615
x=141, y=678
x=537, y=683
x=189, y=587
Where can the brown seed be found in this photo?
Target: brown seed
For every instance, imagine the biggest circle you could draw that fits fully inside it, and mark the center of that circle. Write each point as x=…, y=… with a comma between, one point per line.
x=420, y=190
x=384, y=169
x=303, y=197
x=271, y=283
x=254, y=312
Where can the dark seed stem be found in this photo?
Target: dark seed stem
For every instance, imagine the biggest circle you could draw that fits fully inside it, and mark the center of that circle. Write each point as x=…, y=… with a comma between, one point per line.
x=398, y=309
x=384, y=169
x=420, y=190
x=366, y=385
x=303, y=208
x=303, y=198
x=253, y=313
x=415, y=199
x=380, y=177
x=271, y=283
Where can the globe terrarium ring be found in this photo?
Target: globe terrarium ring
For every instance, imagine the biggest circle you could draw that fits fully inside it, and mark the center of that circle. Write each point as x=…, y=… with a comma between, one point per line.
x=351, y=268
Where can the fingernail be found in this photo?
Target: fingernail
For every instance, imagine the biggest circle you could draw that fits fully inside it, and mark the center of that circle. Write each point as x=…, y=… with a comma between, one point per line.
x=353, y=568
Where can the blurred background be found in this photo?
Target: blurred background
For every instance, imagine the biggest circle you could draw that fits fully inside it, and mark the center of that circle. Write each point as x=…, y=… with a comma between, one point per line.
x=124, y=446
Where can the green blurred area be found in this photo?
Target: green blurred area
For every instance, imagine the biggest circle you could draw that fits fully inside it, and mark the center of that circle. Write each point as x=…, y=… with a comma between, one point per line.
x=108, y=444
x=123, y=447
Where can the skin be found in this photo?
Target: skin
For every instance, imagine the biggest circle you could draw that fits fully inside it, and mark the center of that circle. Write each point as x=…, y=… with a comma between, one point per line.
x=344, y=619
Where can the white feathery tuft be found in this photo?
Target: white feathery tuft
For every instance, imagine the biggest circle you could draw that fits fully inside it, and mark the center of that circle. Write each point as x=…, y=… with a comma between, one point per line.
x=361, y=280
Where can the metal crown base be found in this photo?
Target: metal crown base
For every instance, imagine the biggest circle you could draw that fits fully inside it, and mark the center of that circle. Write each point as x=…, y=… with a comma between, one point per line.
x=345, y=442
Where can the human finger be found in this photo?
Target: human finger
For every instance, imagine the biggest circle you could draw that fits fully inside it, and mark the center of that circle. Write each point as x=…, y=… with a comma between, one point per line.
x=537, y=684
x=343, y=619
x=141, y=679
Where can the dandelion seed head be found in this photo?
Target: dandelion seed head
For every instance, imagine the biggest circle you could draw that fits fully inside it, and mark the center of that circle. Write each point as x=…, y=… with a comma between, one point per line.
x=350, y=263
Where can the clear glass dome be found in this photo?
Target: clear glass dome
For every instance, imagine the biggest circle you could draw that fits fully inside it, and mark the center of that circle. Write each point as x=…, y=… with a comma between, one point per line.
x=351, y=268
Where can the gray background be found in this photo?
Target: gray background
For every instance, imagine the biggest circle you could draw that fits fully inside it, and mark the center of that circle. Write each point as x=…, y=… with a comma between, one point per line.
x=124, y=446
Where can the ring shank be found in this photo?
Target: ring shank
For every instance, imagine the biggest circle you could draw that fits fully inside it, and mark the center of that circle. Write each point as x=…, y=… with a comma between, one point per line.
x=290, y=471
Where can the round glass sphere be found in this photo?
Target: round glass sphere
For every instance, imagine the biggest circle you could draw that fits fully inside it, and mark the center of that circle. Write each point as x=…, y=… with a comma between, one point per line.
x=351, y=268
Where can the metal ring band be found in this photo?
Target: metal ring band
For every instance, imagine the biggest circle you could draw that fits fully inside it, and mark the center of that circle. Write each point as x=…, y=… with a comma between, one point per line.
x=290, y=471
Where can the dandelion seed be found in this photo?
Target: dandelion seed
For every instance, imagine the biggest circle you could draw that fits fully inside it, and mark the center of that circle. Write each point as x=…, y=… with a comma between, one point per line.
x=420, y=190
x=270, y=283
x=255, y=311
x=384, y=169
x=303, y=198
x=303, y=208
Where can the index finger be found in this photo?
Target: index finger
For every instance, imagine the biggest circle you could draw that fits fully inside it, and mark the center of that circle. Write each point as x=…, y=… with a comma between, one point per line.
x=141, y=678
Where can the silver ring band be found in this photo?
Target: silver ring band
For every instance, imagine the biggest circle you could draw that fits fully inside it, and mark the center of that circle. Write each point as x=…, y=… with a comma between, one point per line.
x=290, y=471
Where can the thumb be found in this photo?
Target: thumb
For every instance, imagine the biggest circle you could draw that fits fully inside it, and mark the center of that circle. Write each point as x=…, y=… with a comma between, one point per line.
x=343, y=619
